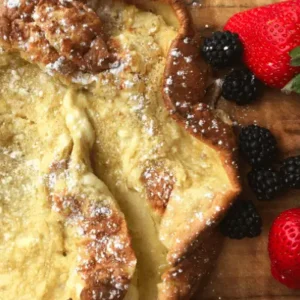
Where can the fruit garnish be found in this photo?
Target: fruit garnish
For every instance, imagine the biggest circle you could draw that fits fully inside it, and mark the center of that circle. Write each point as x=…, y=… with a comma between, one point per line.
x=242, y=220
x=270, y=34
x=284, y=248
x=290, y=170
x=222, y=49
x=240, y=86
x=266, y=183
x=257, y=145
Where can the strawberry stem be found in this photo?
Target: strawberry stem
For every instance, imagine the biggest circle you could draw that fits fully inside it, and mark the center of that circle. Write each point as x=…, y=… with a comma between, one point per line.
x=293, y=85
x=295, y=57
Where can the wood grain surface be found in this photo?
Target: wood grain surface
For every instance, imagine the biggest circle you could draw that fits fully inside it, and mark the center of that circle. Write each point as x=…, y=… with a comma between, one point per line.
x=242, y=270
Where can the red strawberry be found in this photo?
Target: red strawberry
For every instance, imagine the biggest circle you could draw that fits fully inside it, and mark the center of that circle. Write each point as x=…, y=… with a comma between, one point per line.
x=269, y=33
x=284, y=248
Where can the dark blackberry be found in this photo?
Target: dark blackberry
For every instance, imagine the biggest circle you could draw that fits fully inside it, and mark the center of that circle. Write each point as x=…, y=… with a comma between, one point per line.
x=257, y=144
x=222, y=49
x=242, y=220
x=266, y=183
x=241, y=86
x=290, y=171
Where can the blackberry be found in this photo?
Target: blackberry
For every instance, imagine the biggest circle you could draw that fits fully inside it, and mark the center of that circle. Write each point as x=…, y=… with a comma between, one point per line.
x=257, y=144
x=241, y=86
x=242, y=220
x=290, y=171
x=222, y=49
x=266, y=183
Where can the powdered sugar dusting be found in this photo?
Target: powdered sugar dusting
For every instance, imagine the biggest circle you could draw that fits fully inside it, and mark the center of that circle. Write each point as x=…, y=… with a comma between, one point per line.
x=12, y=3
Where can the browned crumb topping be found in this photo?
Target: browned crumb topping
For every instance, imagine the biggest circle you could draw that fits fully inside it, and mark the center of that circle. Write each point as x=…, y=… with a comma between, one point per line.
x=159, y=184
x=106, y=255
x=61, y=36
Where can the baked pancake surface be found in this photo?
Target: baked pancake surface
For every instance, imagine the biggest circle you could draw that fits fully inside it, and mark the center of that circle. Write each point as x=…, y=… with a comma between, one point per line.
x=63, y=144
x=61, y=229
x=35, y=247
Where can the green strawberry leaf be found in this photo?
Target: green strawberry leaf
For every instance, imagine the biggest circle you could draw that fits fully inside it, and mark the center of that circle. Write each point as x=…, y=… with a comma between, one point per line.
x=295, y=57
x=293, y=85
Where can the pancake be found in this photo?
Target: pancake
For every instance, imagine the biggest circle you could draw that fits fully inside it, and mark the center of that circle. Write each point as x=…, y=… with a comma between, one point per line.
x=138, y=135
x=62, y=235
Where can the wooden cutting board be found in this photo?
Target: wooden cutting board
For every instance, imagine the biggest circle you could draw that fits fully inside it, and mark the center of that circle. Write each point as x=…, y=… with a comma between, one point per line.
x=242, y=269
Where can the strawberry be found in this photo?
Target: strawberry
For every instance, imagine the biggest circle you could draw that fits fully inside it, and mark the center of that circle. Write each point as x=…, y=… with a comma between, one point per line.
x=284, y=248
x=269, y=34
